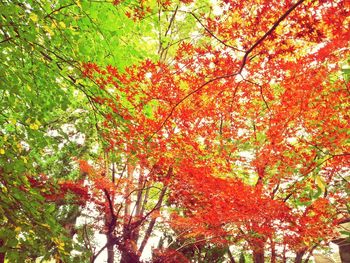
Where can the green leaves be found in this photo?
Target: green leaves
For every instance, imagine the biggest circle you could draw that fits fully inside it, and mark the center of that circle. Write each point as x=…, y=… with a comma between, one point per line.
x=38, y=95
x=149, y=109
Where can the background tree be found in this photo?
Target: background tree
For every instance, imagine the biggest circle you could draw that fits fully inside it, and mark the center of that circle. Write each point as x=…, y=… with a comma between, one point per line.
x=48, y=117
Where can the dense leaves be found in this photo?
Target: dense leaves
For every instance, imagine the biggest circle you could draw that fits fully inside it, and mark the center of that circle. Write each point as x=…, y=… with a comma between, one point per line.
x=223, y=124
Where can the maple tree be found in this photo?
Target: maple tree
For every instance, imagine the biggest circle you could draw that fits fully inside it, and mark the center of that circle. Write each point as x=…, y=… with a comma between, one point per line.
x=233, y=120
x=260, y=94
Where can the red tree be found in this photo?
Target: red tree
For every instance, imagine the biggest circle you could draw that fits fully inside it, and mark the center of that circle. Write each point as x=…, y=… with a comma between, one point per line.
x=247, y=128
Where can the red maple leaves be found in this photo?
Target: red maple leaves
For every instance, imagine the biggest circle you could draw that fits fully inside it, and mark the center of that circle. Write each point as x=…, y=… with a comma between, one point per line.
x=247, y=123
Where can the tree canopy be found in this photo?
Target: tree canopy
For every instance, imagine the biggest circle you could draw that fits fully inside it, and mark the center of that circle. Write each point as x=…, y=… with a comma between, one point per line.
x=181, y=131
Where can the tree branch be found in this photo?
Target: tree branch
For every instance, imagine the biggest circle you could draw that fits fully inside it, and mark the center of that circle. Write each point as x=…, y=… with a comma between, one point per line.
x=212, y=34
x=153, y=221
x=58, y=9
x=114, y=218
x=184, y=98
x=274, y=26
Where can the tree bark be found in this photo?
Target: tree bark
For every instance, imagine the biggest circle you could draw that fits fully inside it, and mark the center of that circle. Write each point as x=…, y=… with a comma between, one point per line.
x=232, y=259
x=310, y=253
x=129, y=257
x=284, y=258
x=299, y=256
x=273, y=252
x=344, y=249
x=110, y=248
x=258, y=256
x=2, y=254
x=128, y=189
x=153, y=221
x=344, y=252
x=138, y=206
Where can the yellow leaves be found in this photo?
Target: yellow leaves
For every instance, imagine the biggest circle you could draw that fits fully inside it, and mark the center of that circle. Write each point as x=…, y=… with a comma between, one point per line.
x=33, y=17
x=12, y=121
x=19, y=147
x=282, y=28
x=62, y=25
x=191, y=235
x=78, y=4
x=59, y=243
x=155, y=214
x=79, y=81
x=49, y=30
x=236, y=17
x=307, y=242
x=33, y=125
x=279, y=30
x=25, y=160
x=184, y=86
x=206, y=99
x=46, y=225
x=320, y=183
x=3, y=189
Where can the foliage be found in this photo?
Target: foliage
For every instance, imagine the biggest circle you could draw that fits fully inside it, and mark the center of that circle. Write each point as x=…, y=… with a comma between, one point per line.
x=46, y=119
x=223, y=122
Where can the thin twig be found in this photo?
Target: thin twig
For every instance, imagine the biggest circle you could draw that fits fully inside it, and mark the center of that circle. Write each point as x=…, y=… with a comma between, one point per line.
x=212, y=34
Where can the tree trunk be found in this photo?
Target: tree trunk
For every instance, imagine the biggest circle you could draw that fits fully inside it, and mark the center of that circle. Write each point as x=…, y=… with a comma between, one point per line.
x=310, y=253
x=284, y=258
x=273, y=252
x=128, y=190
x=129, y=257
x=299, y=256
x=2, y=254
x=110, y=249
x=153, y=220
x=2, y=257
x=258, y=256
x=344, y=249
x=344, y=252
x=232, y=259
x=138, y=206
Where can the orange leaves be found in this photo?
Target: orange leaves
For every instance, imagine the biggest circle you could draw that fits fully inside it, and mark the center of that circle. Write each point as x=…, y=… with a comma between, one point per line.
x=89, y=69
x=77, y=188
x=230, y=202
x=314, y=224
x=85, y=167
x=61, y=190
x=169, y=256
x=247, y=117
